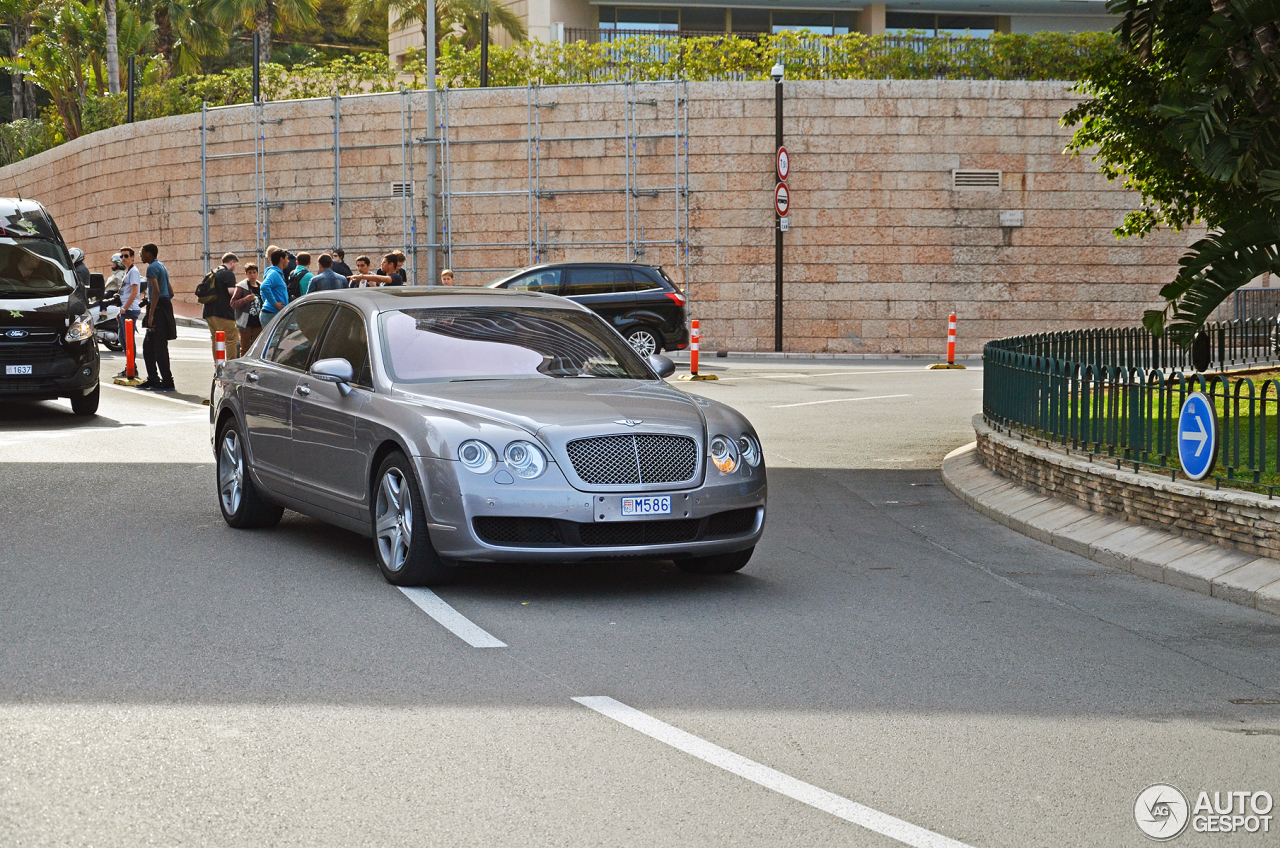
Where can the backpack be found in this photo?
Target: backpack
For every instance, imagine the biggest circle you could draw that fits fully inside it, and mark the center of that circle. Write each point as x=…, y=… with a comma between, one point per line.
x=207, y=292
x=294, y=284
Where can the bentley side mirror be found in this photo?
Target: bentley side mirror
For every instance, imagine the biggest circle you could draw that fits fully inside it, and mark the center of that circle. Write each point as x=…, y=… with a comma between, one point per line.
x=662, y=366
x=337, y=371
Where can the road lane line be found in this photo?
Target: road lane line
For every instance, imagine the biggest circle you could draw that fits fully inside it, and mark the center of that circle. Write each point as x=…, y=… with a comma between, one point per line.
x=835, y=400
x=141, y=393
x=452, y=620
x=806, y=793
x=830, y=374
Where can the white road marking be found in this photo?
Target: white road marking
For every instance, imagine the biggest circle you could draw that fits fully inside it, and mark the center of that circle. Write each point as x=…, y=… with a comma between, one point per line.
x=454, y=621
x=836, y=400
x=806, y=793
x=828, y=374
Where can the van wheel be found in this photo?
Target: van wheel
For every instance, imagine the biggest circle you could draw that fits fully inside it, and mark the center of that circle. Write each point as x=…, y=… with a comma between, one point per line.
x=87, y=404
x=242, y=506
x=401, y=542
x=717, y=564
x=644, y=341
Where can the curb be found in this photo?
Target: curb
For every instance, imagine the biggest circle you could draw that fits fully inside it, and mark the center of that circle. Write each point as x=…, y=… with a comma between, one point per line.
x=190, y=322
x=1158, y=555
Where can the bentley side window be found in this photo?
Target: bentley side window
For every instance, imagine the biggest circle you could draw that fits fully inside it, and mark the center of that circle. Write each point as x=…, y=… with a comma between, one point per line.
x=294, y=340
x=346, y=339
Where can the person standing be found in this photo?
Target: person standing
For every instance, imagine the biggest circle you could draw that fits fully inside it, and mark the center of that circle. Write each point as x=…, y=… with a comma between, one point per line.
x=130, y=308
x=275, y=292
x=218, y=313
x=446, y=277
x=356, y=280
x=300, y=279
x=247, y=302
x=339, y=263
x=327, y=280
x=387, y=277
x=160, y=323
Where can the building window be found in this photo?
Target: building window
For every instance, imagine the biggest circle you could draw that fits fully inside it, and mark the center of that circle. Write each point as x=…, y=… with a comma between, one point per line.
x=979, y=26
x=818, y=23
x=623, y=18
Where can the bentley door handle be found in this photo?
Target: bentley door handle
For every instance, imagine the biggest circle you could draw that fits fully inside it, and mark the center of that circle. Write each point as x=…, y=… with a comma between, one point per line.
x=304, y=390
x=252, y=376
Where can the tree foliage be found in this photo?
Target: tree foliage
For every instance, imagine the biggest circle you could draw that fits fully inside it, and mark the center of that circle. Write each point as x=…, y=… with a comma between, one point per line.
x=1186, y=115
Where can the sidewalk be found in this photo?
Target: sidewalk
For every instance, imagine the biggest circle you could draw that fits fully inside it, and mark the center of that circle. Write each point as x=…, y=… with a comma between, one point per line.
x=188, y=314
x=1158, y=555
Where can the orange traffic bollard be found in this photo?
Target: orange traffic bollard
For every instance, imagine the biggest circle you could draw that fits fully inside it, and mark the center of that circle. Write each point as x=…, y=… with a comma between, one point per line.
x=695, y=336
x=951, y=348
x=219, y=350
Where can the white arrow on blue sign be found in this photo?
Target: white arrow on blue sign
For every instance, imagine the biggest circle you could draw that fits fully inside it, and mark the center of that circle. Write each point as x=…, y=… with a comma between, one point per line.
x=1197, y=436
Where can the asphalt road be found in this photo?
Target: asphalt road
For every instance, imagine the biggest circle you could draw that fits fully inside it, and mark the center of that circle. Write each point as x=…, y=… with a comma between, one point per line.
x=165, y=680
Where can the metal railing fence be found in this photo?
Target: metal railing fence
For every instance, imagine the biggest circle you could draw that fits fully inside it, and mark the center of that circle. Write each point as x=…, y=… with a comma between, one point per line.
x=1118, y=394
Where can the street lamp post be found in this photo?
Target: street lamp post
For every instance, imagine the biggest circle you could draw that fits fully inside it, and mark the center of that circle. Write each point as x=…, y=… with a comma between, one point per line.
x=777, y=73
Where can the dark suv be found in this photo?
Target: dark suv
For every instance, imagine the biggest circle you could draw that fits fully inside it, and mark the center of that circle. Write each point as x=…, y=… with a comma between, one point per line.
x=640, y=301
x=47, y=344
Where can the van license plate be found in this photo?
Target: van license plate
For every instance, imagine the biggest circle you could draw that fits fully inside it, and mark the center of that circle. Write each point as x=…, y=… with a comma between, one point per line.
x=13, y=370
x=654, y=505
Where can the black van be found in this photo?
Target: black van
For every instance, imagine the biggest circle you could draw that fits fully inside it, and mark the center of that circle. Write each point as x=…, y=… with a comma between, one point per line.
x=640, y=301
x=47, y=344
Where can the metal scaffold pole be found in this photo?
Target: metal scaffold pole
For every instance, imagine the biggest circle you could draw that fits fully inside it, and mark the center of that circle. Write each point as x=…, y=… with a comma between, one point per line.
x=337, y=171
x=204, y=180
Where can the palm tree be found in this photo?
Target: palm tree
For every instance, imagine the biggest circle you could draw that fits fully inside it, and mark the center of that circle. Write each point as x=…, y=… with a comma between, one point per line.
x=263, y=15
x=113, y=49
x=465, y=12
x=17, y=16
x=185, y=31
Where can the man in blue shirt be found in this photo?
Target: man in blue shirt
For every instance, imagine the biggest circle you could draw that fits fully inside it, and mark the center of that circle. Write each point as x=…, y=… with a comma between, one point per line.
x=275, y=293
x=160, y=323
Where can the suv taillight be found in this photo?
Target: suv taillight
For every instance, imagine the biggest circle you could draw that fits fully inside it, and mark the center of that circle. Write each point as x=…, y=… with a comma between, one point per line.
x=677, y=297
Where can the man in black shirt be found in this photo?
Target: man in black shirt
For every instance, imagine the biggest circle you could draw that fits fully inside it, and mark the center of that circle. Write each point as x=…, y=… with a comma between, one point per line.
x=388, y=276
x=218, y=313
x=339, y=264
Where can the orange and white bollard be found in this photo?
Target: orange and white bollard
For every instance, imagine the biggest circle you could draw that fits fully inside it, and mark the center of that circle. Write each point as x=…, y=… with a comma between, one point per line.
x=951, y=348
x=695, y=336
x=219, y=350
x=124, y=332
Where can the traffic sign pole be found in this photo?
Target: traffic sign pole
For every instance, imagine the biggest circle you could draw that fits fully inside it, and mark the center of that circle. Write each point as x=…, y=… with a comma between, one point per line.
x=777, y=226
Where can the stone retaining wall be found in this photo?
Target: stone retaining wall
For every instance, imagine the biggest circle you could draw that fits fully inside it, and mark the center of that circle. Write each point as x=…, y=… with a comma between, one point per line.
x=881, y=247
x=1229, y=517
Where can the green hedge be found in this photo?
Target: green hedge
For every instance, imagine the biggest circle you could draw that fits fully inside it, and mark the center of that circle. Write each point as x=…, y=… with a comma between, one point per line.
x=1042, y=56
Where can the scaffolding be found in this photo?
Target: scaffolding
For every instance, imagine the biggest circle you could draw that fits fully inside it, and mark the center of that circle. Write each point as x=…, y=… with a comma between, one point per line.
x=643, y=166
x=271, y=137
x=642, y=106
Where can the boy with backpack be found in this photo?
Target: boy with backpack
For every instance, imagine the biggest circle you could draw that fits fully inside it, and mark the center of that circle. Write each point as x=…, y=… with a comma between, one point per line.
x=215, y=292
x=299, y=280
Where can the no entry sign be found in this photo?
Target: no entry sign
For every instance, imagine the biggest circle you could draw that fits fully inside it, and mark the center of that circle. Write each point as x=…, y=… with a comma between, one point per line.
x=782, y=200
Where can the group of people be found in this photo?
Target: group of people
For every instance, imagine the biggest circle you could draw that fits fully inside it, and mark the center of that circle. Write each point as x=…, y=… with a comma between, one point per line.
x=238, y=308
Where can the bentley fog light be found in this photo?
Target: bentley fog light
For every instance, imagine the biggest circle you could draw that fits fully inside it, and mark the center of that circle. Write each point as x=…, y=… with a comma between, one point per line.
x=525, y=460
x=724, y=454
x=477, y=456
x=80, y=329
x=750, y=450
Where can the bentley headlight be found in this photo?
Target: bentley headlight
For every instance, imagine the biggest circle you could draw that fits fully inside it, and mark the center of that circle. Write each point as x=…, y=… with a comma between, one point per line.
x=724, y=454
x=477, y=456
x=525, y=460
x=750, y=450
x=80, y=329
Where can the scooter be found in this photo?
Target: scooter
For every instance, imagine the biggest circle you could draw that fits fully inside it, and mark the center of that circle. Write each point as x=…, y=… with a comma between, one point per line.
x=105, y=314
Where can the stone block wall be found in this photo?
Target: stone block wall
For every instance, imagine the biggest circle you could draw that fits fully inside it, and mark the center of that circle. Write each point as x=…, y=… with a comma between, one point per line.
x=881, y=247
x=1230, y=517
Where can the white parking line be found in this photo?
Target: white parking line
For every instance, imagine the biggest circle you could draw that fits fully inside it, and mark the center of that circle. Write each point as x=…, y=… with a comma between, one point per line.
x=454, y=621
x=836, y=400
x=154, y=395
x=806, y=793
x=828, y=374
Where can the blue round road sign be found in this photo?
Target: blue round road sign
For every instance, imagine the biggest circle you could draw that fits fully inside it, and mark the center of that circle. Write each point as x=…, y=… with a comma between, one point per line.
x=1197, y=436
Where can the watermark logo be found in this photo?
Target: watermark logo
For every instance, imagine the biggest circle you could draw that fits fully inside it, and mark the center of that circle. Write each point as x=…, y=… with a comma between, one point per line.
x=1161, y=812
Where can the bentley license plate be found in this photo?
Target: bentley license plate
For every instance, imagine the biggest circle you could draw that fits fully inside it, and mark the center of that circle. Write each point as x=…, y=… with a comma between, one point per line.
x=653, y=505
x=12, y=370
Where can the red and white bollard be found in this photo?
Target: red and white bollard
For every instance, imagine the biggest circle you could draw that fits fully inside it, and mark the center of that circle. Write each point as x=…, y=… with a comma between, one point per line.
x=125, y=327
x=219, y=350
x=951, y=348
x=951, y=339
x=695, y=336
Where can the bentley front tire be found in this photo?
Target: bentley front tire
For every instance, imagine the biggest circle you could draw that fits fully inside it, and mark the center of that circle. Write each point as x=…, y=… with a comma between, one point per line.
x=400, y=538
x=717, y=564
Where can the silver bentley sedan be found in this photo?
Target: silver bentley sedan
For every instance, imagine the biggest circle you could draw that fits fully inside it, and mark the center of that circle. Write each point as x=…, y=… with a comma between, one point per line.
x=481, y=425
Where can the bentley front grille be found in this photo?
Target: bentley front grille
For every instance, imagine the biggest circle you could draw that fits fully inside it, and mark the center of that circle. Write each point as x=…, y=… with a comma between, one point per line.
x=634, y=460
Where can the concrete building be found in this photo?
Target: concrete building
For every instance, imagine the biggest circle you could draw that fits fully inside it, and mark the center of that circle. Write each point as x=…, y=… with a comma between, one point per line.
x=573, y=20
